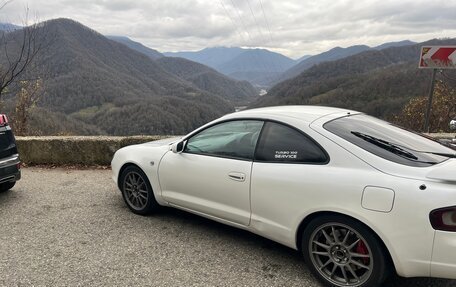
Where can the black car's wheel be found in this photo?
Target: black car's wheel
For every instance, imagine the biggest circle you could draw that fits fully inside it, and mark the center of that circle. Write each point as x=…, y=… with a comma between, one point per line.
x=137, y=191
x=6, y=186
x=343, y=252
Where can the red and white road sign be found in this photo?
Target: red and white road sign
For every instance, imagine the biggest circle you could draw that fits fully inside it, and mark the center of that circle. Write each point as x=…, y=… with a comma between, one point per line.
x=438, y=57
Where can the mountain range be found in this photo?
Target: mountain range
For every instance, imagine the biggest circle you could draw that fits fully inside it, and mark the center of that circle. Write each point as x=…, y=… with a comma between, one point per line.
x=151, y=53
x=264, y=68
x=105, y=87
x=8, y=27
x=332, y=55
x=258, y=66
x=211, y=57
x=378, y=82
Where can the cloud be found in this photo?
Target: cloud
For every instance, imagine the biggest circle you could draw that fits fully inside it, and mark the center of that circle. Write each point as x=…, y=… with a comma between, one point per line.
x=292, y=27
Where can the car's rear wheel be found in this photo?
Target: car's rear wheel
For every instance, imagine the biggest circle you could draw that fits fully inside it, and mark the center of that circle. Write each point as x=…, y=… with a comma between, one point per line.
x=6, y=186
x=137, y=191
x=343, y=252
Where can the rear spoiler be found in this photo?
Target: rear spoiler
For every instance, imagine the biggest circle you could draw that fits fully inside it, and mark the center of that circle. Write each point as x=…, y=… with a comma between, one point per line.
x=445, y=171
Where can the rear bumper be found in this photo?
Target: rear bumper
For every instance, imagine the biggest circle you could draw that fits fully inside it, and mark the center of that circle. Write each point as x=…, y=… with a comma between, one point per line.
x=9, y=169
x=444, y=255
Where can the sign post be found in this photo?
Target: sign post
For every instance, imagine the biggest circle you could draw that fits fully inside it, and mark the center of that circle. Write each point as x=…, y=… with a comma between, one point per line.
x=436, y=57
x=429, y=105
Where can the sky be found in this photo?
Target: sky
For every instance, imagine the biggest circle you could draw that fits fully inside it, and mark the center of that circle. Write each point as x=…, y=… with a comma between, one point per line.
x=291, y=27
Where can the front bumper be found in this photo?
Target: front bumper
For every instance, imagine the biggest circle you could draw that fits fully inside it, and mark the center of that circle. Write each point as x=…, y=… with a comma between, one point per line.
x=443, y=263
x=9, y=169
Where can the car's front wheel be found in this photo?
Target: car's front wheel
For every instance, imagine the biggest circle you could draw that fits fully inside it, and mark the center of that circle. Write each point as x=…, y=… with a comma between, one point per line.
x=6, y=186
x=137, y=191
x=343, y=252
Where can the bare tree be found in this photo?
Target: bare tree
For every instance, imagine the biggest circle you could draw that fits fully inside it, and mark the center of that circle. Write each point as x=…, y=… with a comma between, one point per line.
x=444, y=109
x=18, y=49
x=26, y=99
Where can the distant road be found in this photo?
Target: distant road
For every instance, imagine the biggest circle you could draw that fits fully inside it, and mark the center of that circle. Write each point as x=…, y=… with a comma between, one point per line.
x=70, y=227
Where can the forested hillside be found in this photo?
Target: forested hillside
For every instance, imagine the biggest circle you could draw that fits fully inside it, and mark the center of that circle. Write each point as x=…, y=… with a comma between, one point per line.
x=151, y=53
x=332, y=55
x=376, y=82
x=109, y=88
x=394, y=44
x=237, y=92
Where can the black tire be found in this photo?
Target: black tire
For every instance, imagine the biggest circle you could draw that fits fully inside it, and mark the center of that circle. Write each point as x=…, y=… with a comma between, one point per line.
x=6, y=186
x=138, y=196
x=333, y=246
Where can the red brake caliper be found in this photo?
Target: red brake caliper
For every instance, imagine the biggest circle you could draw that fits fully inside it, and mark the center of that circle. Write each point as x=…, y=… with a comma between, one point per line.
x=362, y=249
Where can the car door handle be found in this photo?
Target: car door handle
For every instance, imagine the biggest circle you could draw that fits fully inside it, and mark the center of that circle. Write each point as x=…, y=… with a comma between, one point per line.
x=237, y=176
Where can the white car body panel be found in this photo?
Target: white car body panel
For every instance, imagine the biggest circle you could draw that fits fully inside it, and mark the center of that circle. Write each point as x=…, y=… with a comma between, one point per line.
x=222, y=197
x=444, y=254
x=275, y=198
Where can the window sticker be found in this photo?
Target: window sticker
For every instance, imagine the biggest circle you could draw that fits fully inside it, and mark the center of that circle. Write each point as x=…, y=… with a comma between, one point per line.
x=286, y=154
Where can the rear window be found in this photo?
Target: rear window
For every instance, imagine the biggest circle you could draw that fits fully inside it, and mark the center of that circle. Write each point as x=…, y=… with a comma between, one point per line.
x=389, y=141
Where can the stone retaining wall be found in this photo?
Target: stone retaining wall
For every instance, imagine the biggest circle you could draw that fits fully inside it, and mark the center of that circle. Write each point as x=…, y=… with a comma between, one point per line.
x=74, y=150
x=86, y=150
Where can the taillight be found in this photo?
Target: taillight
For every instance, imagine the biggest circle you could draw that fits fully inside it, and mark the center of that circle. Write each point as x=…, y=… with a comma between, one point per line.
x=444, y=219
x=3, y=120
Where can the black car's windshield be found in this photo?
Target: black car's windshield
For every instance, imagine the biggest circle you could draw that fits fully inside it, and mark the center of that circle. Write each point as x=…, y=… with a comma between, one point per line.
x=388, y=141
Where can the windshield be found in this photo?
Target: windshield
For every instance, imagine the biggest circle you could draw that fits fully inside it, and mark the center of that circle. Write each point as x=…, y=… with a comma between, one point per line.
x=389, y=141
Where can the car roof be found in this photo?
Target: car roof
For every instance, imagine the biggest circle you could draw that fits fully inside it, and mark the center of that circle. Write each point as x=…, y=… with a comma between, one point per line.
x=305, y=113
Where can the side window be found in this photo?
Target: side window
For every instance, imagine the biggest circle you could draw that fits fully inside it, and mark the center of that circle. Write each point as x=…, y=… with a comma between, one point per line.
x=235, y=139
x=280, y=143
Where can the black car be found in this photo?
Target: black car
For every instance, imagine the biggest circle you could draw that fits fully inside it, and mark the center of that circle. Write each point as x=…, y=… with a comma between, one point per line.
x=10, y=171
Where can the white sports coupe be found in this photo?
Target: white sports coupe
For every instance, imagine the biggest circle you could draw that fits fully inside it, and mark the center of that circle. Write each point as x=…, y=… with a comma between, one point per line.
x=358, y=196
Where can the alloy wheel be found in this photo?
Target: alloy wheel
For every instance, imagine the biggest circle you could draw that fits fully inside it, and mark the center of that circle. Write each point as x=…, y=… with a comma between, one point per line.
x=135, y=189
x=340, y=254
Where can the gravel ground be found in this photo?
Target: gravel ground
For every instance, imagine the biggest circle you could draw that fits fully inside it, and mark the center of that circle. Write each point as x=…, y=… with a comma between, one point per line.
x=71, y=228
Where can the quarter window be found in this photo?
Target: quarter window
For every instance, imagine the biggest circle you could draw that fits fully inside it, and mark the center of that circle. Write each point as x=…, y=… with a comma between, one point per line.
x=280, y=143
x=235, y=139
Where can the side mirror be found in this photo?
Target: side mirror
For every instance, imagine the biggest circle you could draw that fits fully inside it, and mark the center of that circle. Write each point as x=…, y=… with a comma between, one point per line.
x=177, y=147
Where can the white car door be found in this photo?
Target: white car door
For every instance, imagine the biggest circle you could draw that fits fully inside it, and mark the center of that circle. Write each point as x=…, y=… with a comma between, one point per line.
x=289, y=173
x=212, y=175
